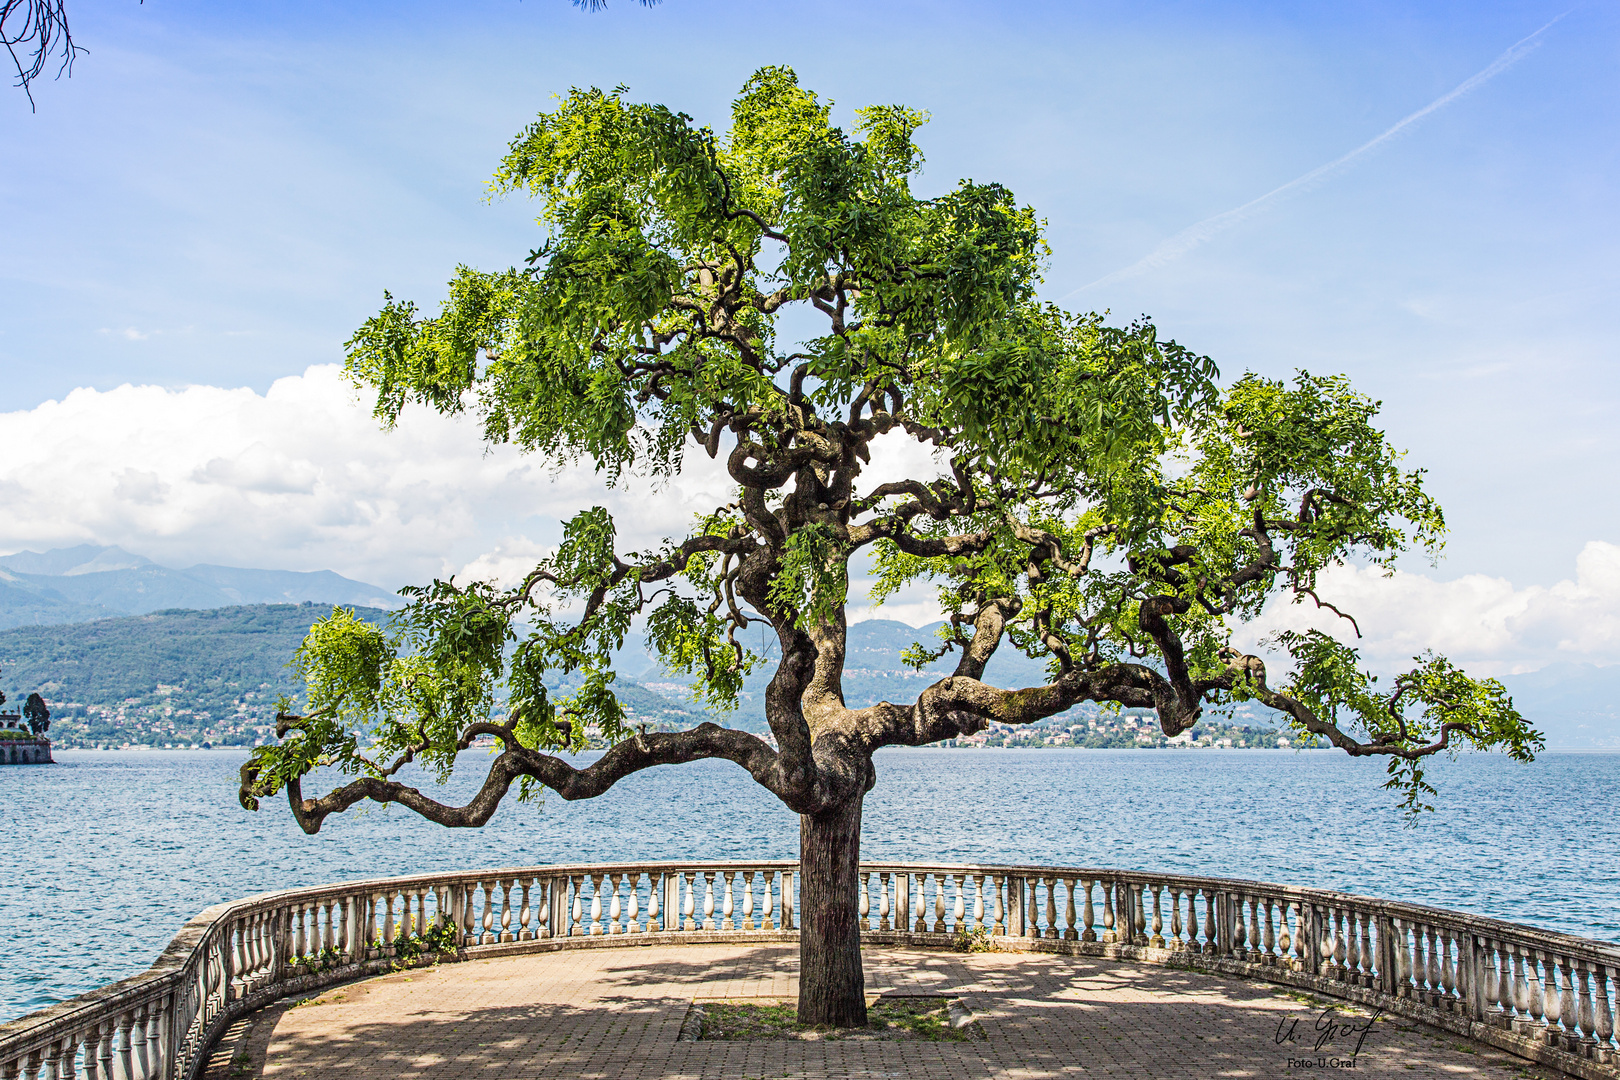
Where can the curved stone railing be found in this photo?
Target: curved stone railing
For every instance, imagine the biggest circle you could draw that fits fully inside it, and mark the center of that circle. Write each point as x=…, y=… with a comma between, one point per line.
x=1544, y=996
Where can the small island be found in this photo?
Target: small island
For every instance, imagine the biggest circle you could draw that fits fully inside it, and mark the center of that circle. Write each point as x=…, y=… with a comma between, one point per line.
x=22, y=735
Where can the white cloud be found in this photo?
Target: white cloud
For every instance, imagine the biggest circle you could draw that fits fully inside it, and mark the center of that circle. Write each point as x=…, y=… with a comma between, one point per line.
x=1483, y=622
x=301, y=477
x=508, y=563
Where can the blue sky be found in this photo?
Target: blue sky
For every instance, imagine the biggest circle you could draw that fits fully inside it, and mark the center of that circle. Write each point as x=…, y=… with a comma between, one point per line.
x=220, y=193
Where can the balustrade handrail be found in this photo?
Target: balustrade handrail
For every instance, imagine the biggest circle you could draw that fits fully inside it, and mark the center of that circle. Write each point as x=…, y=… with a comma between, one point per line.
x=1552, y=988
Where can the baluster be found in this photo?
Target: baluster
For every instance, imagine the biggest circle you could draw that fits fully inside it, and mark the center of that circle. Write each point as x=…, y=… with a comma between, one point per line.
x=1534, y=993
x=633, y=901
x=614, y=908
x=1491, y=981
x=1569, y=1019
x=1071, y=928
x=1366, y=951
x=499, y=925
x=939, y=904
x=1157, y=940
x=1603, y=1022
x=765, y=915
x=959, y=904
x=978, y=903
x=1409, y=957
x=1433, y=943
x=708, y=901
x=1108, y=935
x=1552, y=998
x=1258, y=952
x=1139, y=910
x=1266, y=929
x=1285, y=940
x=997, y=886
x=386, y=902
x=690, y=906
x=89, y=1040
x=1088, y=915
x=574, y=912
x=1418, y=967
x=298, y=931
x=595, y=928
x=1250, y=951
x=863, y=903
x=1584, y=1010
x=154, y=1037
x=746, y=880
x=1450, y=957
x=1050, y=885
x=1341, y=951
x=525, y=913
x=52, y=1061
x=726, y=908
x=108, y=1049
x=137, y=1043
x=884, y=910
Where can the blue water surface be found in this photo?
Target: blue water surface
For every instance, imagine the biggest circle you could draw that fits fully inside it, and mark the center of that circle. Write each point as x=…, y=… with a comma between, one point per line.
x=107, y=853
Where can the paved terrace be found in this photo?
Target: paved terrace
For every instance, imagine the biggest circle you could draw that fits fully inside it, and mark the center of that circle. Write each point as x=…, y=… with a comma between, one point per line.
x=609, y=1013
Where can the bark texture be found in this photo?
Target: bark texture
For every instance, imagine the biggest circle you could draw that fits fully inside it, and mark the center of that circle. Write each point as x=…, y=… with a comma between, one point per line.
x=832, y=985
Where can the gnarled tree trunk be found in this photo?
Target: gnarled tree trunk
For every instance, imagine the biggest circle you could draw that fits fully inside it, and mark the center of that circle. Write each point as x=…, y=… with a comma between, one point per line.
x=832, y=985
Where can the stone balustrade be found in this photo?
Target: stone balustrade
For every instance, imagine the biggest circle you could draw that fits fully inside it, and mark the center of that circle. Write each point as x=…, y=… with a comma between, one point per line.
x=1544, y=996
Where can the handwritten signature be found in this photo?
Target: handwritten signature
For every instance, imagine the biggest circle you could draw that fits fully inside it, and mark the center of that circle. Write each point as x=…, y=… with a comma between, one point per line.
x=1330, y=1029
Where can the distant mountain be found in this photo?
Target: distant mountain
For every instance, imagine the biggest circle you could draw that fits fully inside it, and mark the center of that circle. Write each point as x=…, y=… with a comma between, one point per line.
x=1577, y=706
x=88, y=582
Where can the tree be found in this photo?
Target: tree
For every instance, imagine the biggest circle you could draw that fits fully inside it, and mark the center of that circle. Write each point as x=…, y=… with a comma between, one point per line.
x=37, y=715
x=1101, y=501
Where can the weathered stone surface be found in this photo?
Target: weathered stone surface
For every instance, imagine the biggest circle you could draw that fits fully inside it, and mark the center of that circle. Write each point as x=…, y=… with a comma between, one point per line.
x=617, y=1013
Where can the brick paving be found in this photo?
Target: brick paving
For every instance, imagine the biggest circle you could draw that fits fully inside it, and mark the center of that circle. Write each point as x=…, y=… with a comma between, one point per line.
x=605, y=1014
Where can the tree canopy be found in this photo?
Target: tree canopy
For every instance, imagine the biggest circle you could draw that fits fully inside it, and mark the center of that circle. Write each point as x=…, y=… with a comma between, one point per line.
x=1102, y=501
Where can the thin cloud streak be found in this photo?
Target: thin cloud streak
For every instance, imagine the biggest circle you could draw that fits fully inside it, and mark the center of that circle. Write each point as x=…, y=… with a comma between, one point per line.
x=1192, y=236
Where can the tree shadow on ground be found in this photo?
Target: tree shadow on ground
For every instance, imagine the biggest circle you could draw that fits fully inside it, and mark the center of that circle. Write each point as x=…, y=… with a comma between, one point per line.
x=1043, y=1016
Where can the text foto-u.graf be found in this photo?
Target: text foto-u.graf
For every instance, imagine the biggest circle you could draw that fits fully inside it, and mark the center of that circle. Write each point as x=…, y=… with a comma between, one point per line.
x=1343, y=1037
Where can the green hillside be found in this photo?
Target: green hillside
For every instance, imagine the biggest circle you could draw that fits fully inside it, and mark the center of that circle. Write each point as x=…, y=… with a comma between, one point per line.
x=172, y=676
x=183, y=677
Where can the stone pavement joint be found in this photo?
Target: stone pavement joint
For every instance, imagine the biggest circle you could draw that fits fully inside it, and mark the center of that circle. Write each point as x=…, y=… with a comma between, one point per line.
x=616, y=1014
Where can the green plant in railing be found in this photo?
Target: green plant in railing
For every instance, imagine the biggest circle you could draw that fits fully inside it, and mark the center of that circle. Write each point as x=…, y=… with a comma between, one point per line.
x=438, y=939
x=315, y=963
x=976, y=940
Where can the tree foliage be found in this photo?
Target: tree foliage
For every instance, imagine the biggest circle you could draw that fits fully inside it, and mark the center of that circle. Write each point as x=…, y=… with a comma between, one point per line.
x=1102, y=501
x=37, y=715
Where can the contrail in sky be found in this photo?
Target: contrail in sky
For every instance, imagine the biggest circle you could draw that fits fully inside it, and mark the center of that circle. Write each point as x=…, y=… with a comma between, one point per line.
x=1187, y=239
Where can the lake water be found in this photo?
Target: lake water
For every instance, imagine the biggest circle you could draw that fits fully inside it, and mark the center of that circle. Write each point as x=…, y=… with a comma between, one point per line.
x=107, y=854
